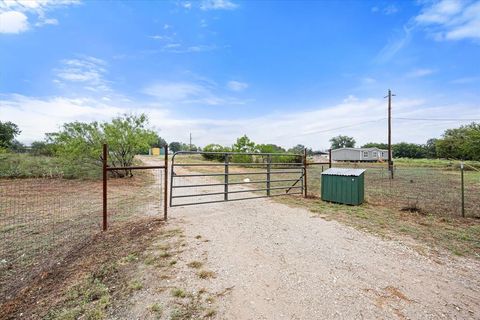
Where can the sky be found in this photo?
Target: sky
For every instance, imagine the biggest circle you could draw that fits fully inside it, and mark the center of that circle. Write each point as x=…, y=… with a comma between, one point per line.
x=283, y=72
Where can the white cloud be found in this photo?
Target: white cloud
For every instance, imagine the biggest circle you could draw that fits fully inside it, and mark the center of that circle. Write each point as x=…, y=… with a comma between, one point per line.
x=218, y=5
x=13, y=22
x=186, y=5
x=368, y=80
x=201, y=93
x=15, y=14
x=237, y=85
x=395, y=44
x=390, y=9
x=179, y=48
x=387, y=10
x=451, y=20
x=465, y=80
x=417, y=73
x=86, y=71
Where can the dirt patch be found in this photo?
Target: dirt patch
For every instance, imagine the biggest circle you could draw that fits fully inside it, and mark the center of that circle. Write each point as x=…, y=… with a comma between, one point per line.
x=49, y=290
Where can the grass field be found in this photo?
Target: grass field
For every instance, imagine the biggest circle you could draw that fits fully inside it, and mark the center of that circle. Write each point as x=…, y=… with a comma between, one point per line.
x=43, y=219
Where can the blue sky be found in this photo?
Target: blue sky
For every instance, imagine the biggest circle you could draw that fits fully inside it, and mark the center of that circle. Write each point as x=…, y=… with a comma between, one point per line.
x=281, y=72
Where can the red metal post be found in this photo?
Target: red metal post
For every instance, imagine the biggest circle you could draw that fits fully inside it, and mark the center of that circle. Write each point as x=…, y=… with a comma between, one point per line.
x=165, y=182
x=329, y=158
x=104, y=167
x=305, y=188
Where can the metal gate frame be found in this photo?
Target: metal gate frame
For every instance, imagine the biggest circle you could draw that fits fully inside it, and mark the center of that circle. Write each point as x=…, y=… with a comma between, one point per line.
x=268, y=172
x=106, y=168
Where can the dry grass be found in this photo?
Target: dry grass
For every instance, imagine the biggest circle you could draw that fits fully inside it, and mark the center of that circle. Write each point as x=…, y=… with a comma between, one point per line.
x=461, y=236
x=90, y=280
x=42, y=220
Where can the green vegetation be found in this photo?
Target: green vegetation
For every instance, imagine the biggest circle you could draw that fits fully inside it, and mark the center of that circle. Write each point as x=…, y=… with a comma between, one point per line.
x=180, y=146
x=342, y=142
x=179, y=293
x=76, y=150
x=126, y=137
x=18, y=165
x=243, y=144
x=459, y=143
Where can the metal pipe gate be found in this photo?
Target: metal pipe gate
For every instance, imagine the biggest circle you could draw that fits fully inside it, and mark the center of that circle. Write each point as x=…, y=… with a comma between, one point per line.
x=210, y=177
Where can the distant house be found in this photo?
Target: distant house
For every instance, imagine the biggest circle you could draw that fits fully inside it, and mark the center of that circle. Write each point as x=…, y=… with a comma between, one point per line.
x=359, y=154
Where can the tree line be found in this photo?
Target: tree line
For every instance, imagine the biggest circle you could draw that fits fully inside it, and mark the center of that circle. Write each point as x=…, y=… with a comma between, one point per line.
x=128, y=135
x=458, y=143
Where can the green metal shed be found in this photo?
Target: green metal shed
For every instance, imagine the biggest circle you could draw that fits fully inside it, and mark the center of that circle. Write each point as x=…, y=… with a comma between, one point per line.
x=343, y=185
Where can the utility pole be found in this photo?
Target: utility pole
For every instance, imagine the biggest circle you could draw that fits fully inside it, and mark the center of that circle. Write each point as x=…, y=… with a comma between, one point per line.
x=190, y=141
x=390, y=162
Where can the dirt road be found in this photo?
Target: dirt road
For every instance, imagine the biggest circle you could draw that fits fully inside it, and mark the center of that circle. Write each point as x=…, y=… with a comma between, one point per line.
x=278, y=262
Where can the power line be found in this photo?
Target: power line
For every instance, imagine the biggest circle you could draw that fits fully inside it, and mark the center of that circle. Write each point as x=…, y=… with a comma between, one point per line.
x=436, y=119
x=343, y=127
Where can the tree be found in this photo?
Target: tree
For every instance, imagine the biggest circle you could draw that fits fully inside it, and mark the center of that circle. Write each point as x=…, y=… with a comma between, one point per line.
x=42, y=148
x=244, y=144
x=8, y=132
x=408, y=150
x=270, y=148
x=375, y=145
x=159, y=142
x=215, y=148
x=342, y=142
x=460, y=143
x=430, y=148
x=174, y=146
x=298, y=149
x=126, y=136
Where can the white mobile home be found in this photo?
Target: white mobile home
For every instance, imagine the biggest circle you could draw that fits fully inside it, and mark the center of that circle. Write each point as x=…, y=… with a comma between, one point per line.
x=359, y=154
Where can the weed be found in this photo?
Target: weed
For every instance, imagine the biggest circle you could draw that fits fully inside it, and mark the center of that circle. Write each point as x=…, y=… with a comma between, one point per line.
x=135, y=285
x=195, y=264
x=179, y=293
x=205, y=274
x=128, y=259
x=149, y=260
x=210, y=313
x=156, y=308
x=165, y=254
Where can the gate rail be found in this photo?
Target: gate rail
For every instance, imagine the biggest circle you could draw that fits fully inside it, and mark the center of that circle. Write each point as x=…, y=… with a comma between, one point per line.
x=106, y=168
x=274, y=172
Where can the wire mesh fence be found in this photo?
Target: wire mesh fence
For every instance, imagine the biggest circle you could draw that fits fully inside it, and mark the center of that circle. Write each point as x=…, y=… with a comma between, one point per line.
x=427, y=190
x=43, y=220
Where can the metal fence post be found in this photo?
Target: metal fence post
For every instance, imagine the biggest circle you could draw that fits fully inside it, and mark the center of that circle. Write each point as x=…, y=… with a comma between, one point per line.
x=329, y=158
x=165, y=182
x=225, y=196
x=305, y=185
x=104, y=174
x=463, y=189
x=269, y=165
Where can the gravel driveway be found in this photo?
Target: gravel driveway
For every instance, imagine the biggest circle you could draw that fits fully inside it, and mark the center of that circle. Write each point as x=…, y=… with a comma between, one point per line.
x=279, y=262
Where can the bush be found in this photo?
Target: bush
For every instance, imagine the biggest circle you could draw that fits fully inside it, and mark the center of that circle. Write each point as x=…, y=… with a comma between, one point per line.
x=214, y=148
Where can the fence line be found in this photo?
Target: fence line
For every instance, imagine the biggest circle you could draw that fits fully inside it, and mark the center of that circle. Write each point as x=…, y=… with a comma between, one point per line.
x=42, y=220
